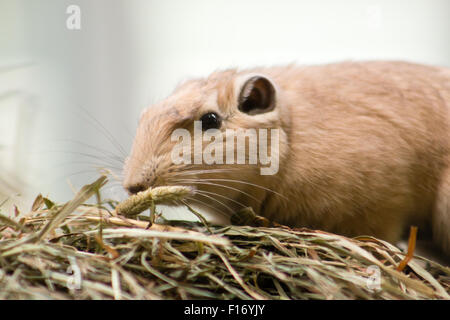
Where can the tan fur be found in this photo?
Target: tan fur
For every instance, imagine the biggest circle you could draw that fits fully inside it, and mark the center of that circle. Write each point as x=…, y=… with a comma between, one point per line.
x=364, y=146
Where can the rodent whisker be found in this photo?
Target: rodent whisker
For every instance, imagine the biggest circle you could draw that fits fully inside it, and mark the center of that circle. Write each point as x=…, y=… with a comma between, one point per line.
x=223, y=214
x=106, y=133
x=193, y=172
x=92, y=164
x=88, y=155
x=222, y=196
x=247, y=183
x=108, y=153
x=93, y=170
x=201, y=181
x=219, y=202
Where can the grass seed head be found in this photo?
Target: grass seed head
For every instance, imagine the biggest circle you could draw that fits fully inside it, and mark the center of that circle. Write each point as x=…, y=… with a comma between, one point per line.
x=160, y=195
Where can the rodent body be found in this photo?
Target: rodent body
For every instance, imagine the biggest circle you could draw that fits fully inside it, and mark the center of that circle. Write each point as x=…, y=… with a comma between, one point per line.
x=364, y=146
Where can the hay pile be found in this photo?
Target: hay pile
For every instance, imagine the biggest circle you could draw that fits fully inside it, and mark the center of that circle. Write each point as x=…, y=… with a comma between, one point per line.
x=85, y=251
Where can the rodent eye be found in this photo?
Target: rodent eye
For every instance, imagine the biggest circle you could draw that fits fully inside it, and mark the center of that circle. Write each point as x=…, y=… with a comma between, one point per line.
x=210, y=120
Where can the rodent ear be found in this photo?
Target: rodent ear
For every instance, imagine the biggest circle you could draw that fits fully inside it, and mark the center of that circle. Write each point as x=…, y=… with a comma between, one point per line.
x=257, y=96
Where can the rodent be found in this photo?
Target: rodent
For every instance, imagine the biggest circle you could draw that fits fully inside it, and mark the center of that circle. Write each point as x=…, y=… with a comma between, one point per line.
x=364, y=146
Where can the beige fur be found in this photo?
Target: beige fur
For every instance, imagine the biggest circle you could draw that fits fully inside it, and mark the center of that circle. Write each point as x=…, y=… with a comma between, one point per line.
x=364, y=148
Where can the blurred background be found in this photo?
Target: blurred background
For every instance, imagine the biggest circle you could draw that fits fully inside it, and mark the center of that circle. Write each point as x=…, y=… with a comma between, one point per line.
x=71, y=91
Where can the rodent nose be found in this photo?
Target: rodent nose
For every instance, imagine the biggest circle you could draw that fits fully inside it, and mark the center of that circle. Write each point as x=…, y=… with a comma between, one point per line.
x=133, y=189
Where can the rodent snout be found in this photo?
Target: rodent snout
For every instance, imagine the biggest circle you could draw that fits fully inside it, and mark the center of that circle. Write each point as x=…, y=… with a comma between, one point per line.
x=138, y=177
x=135, y=188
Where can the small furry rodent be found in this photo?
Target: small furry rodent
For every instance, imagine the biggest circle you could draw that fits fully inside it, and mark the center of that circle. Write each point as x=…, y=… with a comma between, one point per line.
x=364, y=146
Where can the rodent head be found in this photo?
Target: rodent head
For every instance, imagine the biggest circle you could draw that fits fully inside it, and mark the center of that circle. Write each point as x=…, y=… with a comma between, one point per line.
x=226, y=101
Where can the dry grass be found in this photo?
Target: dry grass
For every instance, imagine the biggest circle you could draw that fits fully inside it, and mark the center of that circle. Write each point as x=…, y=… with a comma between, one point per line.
x=81, y=251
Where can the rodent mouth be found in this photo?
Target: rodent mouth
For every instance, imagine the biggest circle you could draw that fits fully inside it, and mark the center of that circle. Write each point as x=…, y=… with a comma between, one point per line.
x=135, y=189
